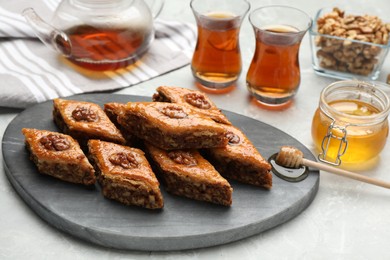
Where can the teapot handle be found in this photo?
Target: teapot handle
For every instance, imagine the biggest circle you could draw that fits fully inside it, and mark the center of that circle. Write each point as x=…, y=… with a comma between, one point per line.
x=50, y=36
x=155, y=6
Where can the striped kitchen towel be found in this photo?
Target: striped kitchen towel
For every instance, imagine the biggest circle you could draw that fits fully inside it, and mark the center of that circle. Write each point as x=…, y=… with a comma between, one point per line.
x=31, y=73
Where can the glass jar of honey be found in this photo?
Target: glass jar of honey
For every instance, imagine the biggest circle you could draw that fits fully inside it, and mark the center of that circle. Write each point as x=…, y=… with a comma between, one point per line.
x=351, y=123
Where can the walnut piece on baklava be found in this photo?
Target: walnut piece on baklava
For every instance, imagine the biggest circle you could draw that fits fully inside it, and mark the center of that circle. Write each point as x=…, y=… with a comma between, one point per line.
x=172, y=126
x=113, y=110
x=125, y=175
x=85, y=120
x=240, y=160
x=186, y=173
x=194, y=99
x=58, y=155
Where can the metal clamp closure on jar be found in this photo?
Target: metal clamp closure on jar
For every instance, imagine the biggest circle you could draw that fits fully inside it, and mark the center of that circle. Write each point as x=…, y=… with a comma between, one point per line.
x=328, y=137
x=351, y=122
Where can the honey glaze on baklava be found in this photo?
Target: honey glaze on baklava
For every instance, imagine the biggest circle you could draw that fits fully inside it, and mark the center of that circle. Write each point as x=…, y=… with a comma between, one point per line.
x=58, y=155
x=240, y=160
x=113, y=110
x=125, y=175
x=193, y=99
x=172, y=126
x=186, y=173
x=85, y=120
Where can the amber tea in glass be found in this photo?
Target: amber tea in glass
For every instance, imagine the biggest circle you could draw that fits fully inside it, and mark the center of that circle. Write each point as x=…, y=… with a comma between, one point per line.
x=216, y=62
x=274, y=76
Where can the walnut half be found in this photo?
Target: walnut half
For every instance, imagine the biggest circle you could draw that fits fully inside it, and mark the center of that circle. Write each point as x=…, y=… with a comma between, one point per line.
x=174, y=112
x=125, y=160
x=84, y=114
x=182, y=157
x=54, y=142
x=197, y=100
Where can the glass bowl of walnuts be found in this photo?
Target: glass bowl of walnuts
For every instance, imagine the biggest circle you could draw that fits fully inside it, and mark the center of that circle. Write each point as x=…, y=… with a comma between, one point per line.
x=348, y=45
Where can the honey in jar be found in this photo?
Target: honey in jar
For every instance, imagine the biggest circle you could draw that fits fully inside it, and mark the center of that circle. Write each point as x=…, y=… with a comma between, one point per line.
x=351, y=123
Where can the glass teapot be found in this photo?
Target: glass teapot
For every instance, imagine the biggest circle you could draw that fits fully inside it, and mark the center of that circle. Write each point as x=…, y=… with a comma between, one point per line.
x=98, y=34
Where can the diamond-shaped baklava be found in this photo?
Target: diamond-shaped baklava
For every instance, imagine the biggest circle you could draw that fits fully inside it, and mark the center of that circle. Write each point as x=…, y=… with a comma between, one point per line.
x=172, y=126
x=85, y=120
x=125, y=175
x=186, y=173
x=58, y=155
x=113, y=110
x=194, y=99
x=240, y=160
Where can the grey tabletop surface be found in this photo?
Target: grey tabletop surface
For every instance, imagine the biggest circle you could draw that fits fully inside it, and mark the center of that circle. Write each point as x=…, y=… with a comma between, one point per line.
x=346, y=220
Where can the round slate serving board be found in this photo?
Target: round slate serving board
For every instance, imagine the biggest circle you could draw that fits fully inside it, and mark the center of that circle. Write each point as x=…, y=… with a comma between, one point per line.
x=182, y=223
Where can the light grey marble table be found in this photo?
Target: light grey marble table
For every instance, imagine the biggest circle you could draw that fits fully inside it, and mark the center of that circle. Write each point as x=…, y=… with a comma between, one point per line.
x=346, y=220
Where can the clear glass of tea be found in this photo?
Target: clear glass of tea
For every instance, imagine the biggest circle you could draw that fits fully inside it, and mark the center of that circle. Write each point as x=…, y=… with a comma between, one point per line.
x=216, y=63
x=274, y=74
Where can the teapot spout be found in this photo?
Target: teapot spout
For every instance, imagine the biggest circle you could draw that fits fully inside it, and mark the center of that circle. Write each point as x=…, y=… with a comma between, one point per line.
x=49, y=35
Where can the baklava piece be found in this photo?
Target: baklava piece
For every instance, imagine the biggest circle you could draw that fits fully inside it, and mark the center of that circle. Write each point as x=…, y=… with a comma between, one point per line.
x=125, y=175
x=58, y=155
x=194, y=99
x=113, y=110
x=172, y=126
x=84, y=121
x=186, y=173
x=240, y=160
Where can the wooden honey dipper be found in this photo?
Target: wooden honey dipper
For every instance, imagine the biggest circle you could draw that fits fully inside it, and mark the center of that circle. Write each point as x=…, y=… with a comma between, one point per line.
x=292, y=157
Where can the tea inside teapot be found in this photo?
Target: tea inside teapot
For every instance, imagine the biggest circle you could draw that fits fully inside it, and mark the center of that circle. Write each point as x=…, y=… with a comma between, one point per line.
x=106, y=48
x=97, y=34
